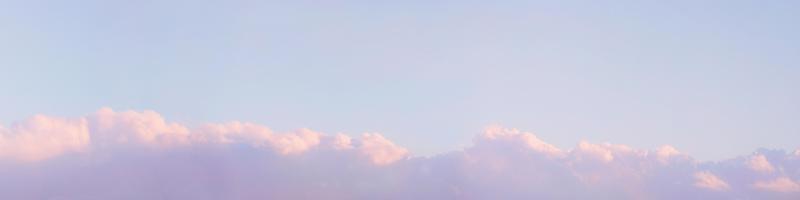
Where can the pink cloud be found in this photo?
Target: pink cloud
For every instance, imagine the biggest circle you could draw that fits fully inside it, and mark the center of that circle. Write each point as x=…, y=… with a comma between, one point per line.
x=760, y=163
x=526, y=140
x=781, y=184
x=42, y=137
x=380, y=150
x=710, y=181
x=667, y=153
x=140, y=128
x=140, y=155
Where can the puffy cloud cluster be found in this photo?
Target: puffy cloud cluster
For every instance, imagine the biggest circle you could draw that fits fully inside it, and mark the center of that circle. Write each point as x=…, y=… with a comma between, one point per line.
x=140, y=155
x=42, y=137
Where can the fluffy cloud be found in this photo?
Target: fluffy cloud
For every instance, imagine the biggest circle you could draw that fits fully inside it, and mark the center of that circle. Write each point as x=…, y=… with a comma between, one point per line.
x=379, y=150
x=41, y=137
x=140, y=155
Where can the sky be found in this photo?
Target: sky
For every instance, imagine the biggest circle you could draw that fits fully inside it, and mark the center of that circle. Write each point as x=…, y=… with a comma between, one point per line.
x=643, y=74
x=178, y=99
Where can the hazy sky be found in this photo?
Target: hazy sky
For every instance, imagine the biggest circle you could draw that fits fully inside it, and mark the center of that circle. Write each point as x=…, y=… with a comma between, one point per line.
x=714, y=79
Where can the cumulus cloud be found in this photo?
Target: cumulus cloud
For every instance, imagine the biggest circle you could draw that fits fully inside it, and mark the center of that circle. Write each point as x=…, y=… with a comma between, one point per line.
x=140, y=155
x=41, y=137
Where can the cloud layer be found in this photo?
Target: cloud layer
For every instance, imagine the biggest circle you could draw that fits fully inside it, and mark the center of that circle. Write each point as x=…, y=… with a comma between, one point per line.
x=140, y=155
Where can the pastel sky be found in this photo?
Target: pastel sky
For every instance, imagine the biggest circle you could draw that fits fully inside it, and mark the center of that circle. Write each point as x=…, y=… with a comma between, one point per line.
x=643, y=74
x=710, y=82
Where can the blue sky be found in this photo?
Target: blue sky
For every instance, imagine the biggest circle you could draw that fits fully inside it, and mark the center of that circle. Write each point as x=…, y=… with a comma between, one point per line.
x=714, y=79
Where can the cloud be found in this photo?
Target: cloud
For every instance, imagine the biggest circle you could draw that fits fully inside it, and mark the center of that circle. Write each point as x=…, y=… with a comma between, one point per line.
x=41, y=137
x=760, y=163
x=379, y=150
x=140, y=155
x=138, y=128
x=782, y=184
x=709, y=181
x=524, y=139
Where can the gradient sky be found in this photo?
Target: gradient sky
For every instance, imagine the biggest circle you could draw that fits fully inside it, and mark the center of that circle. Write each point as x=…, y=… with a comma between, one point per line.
x=635, y=73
